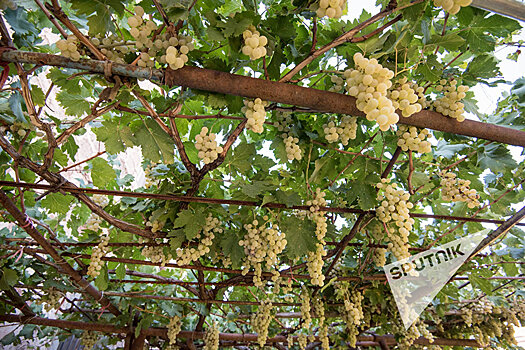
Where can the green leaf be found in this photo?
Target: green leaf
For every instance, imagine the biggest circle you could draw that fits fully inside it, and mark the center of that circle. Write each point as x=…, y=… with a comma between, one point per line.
x=483, y=284
x=449, y=41
x=102, y=173
x=366, y=195
x=288, y=198
x=482, y=67
x=120, y=271
x=116, y=136
x=495, y=157
x=75, y=105
x=156, y=144
x=300, y=235
x=254, y=189
x=57, y=203
x=447, y=150
x=102, y=280
x=9, y=278
x=231, y=248
x=193, y=222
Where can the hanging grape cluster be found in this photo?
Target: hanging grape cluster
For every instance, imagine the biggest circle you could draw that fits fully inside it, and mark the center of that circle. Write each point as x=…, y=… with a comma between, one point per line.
x=88, y=339
x=148, y=174
x=330, y=8
x=69, y=48
x=291, y=143
x=112, y=47
x=410, y=138
x=262, y=244
x=458, y=190
x=207, y=146
x=352, y=310
x=51, y=300
x=302, y=340
x=211, y=337
x=404, y=98
x=261, y=321
x=178, y=47
x=94, y=221
x=450, y=103
x=345, y=131
x=314, y=260
x=254, y=43
x=154, y=252
x=338, y=82
x=379, y=257
x=205, y=238
x=255, y=113
x=395, y=208
x=319, y=309
x=95, y=264
x=174, y=327
x=305, y=308
x=452, y=6
x=369, y=83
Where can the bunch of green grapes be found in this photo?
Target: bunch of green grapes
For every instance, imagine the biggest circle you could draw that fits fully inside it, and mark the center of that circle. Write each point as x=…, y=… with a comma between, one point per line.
x=369, y=82
x=315, y=260
x=420, y=91
x=378, y=257
x=450, y=103
x=69, y=48
x=261, y=321
x=5, y=4
x=211, y=337
x=112, y=47
x=255, y=113
x=452, y=6
x=254, y=43
x=345, y=131
x=302, y=340
x=207, y=146
x=458, y=190
x=211, y=227
x=51, y=300
x=178, y=47
x=352, y=310
x=338, y=82
x=319, y=309
x=404, y=98
x=291, y=143
x=95, y=264
x=412, y=139
x=174, y=327
x=395, y=206
x=306, y=308
x=330, y=8
x=88, y=339
x=154, y=252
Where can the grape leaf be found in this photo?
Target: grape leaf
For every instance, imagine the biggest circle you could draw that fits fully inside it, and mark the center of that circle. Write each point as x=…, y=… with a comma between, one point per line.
x=156, y=144
x=102, y=280
x=193, y=222
x=57, y=203
x=115, y=137
x=230, y=247
x=483, y=284
x=300, y=235
x=102, y=173
x=74, y=104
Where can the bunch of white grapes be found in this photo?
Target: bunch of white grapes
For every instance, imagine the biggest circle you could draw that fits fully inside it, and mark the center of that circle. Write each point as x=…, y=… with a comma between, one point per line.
x=4, y=4
x=95, y=264
x=420, y=91
x=177, y=51
x=51, y=300
x=302, y=340
x=315, y=260
x=291, y=143
x=330, y=8
x=409, y=336
x=207, y=146
x=155, y=225
x=466, y=316
x=519, y=306
x=20, y=129
x=88, y=339
x=174, y=327
x=452, y=6
x=93, y=222
x=352, y=311
x=378, y=257
x=148, y=175
x=338, y=82
x=255, y=113
x=405, y=98
x=254, y=43
x=154, y=252
x=345, y=131
x=68, y=48
x=412, y=139
x=369, y=82
x=319, y=309
x=458, y=190
x=449, y=104
x=395, y=206
x=211, y=227
x=261, y=321
x=211, y=337
x=141, y=29
x=112, y=47
x=306, y=308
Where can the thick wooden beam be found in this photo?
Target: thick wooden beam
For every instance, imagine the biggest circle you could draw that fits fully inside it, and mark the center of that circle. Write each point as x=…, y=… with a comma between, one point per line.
x=233, y=84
